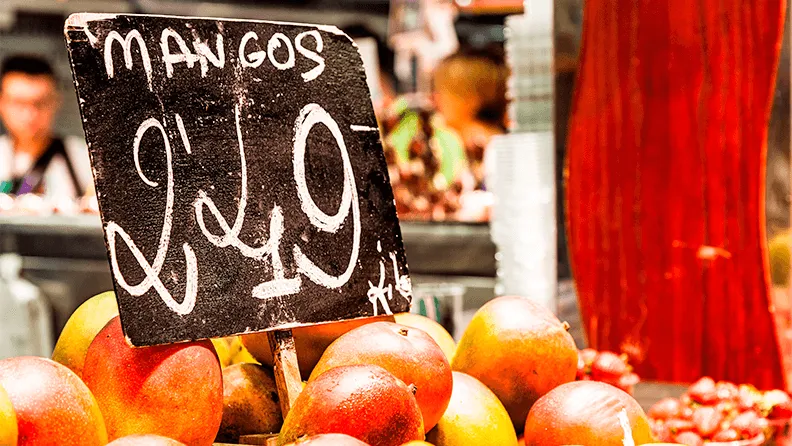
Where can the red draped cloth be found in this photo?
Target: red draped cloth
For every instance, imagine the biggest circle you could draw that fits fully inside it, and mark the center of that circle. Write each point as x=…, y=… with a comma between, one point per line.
x=665, y=185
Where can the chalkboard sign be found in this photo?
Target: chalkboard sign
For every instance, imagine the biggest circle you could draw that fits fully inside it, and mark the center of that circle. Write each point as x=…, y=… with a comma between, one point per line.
x=239, y=172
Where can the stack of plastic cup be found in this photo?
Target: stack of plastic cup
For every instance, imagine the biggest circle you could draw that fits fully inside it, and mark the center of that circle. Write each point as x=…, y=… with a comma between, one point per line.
x=523, y=222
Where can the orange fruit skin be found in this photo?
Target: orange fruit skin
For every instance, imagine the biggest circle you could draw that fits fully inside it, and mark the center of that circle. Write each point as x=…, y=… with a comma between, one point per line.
x=53, y=407
x=145, y=440
x=518, y=349
x=329, y=440
x=408, y=353
x=250, y=402
x=8, y=421
x=363, y=401
x=585, y=413
x=175, y=391
x=310, y=341
x=417, y=443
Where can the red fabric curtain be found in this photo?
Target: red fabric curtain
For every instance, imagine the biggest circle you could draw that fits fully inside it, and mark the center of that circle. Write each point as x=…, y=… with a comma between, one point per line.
x=665, y=185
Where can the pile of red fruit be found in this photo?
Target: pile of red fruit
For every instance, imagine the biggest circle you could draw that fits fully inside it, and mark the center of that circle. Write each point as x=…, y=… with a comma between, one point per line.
x=718, y=412
x=607, y=367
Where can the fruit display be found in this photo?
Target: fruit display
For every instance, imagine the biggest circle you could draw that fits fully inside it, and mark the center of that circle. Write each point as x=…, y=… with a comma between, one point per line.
x=607, y=367
x=409, y=354
x=518, y=349
x=719, y=412
x=310, y=342
x=515, y=379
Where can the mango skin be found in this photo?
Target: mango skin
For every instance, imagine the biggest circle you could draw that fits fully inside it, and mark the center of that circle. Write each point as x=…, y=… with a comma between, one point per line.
x=81, y=329
x=159, y=390
x=53, y=407
x=363, y=401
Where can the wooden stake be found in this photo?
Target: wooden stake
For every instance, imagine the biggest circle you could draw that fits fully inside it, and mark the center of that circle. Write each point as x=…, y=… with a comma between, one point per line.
x=287, y=371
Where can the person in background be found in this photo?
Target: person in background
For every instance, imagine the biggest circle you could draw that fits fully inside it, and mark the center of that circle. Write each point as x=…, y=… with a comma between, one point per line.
x=469, y=94
x=33, y=159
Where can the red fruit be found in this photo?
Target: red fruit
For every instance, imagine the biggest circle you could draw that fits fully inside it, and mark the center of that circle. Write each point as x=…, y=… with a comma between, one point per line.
x=747, y=424
x=707, y=419
x=687, y=413
x=608, y=367
x=53, y=407
x=689, y=439
x=748, y=398
x=328, y=440
x=779, y=403
x=363, y=401
x=581, y=369
x=676, y=425
x=665, y=409
x=627, y=382
x=162, y=390
x=726, y=391
x=781, y=411
x=726, y=436
x=703, y=391
x=660, y=430
x=585, y=413
x=726, y=407
x=588, y=355
x=408, y=353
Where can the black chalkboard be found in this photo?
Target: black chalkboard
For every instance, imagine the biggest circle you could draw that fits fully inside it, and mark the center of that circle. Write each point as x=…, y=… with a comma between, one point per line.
x=240, y=175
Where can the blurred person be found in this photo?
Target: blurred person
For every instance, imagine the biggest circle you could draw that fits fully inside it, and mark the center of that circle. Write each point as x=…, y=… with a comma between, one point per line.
x=33, y=159
x=469, y=94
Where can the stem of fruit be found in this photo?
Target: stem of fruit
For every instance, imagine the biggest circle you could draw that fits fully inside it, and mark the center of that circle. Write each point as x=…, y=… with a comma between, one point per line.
x=287, y=370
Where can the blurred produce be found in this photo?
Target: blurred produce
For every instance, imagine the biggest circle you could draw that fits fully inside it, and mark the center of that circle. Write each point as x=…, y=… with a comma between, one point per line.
x=720, y=412
x=38, y=205
x=607, y=367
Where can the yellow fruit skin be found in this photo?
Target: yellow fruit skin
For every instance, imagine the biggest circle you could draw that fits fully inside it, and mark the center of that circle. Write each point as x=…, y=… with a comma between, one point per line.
x=223, y=350
x=8, y=421
x=417, y=443
x=239, y=354
x=81, y=329
x=474, y=416
x=432, y=328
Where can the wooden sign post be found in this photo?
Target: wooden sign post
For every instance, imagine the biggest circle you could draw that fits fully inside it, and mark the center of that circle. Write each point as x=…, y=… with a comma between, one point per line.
x=240, y=177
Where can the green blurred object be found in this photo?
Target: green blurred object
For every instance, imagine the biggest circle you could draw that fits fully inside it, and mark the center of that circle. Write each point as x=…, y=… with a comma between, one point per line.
x=779, y=249
x=446, y=143
x=5, y=187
